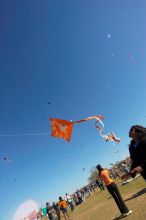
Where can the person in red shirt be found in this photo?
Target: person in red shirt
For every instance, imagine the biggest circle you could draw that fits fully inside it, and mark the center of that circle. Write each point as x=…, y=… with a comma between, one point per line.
x=113, y=190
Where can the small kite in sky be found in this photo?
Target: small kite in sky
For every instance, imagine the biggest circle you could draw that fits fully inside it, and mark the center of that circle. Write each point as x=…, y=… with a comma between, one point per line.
x=6, y=159
x=111, y=164
x=14, y=180
x=85, y=149
x=49, y=103
x=132, y=58
x=63, y=128
x=115, y=152
x=109, y=36
x=83, y=169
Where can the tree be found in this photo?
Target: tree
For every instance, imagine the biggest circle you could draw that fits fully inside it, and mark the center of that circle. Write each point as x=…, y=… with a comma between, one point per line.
x=93, y=175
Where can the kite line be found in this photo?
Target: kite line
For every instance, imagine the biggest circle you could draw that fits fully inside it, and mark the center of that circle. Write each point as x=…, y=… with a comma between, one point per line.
x=24, y=134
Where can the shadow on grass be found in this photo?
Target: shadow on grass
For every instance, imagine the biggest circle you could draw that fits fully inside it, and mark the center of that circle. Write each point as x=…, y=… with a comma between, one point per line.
x=141, y=192
x=119, y=217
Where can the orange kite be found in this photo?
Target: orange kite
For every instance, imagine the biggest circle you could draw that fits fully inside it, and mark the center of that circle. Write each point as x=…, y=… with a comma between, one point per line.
x=63, y=128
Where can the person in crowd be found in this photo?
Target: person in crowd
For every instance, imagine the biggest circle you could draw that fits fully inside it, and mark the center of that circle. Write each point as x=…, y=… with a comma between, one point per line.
x=63, y=208
x=79, y=195
x=50, y=212
x=113, y=174
x=44, y=212
x=137, y=150
x=56, y=207
x=77, y=202
x=125, y=168
x=69, y=201
x=99, y=183
x=92, y=187
x=117, y=173
x=39, y=216
x=113, y=190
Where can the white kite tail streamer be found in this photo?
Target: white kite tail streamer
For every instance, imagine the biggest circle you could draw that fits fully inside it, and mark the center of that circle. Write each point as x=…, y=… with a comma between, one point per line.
x=110, y=136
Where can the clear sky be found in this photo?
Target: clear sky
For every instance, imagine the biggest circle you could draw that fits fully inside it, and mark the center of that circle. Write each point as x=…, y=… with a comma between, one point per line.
x=85, y=58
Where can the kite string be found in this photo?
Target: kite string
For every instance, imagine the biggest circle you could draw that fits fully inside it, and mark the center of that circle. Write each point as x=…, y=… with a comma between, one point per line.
x=24, y=134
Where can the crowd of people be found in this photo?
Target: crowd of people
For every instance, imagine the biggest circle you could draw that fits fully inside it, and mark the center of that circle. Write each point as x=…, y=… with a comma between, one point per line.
x=55, y=210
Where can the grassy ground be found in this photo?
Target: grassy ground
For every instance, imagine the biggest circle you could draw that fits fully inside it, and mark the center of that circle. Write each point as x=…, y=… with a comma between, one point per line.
x=101, y=206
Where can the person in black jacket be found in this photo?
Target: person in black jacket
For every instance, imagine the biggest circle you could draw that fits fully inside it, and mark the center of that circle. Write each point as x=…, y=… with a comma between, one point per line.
x=50, y=212
x=137, y=150
x=100, y=185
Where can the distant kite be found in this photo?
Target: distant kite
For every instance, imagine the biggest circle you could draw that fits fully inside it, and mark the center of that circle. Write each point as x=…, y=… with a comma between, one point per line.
x=109, y=36
x=111, y=164
x=132, y=58
x=14, y=180
x=84, y=149
x=116, y=152
x=83, y=169
x=63, y=128
x=49, y=103
x=6, y=159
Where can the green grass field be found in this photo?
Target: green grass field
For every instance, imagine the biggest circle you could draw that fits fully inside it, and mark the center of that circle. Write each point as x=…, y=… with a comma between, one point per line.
x=101, y=206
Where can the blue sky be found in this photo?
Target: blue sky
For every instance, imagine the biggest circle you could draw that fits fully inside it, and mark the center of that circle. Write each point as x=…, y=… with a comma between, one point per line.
x=60, y=52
